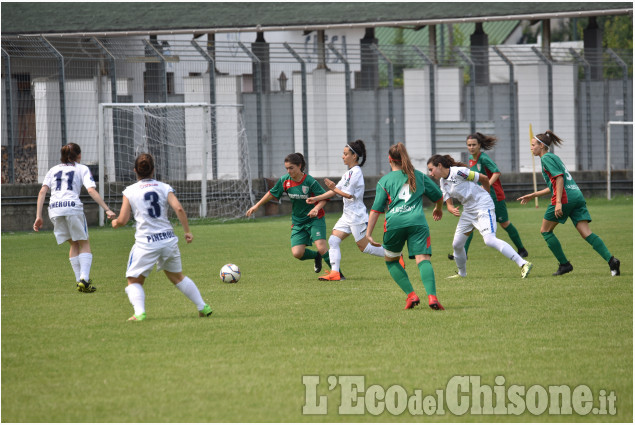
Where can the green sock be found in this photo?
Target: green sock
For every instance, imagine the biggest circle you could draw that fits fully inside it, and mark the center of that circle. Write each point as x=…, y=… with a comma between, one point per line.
x=327, y=259
x=467, y=243
x=554, y=245
x=309, y=255
x=400, y=276
x=514, y=236
x=427, y=276
x=598, y=245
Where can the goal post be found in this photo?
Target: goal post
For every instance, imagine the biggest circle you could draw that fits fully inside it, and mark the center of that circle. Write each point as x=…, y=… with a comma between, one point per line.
x=609, y=124
x=200, y=149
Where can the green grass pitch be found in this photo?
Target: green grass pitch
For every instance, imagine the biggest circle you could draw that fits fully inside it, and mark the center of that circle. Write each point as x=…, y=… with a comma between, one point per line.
x=73, y=357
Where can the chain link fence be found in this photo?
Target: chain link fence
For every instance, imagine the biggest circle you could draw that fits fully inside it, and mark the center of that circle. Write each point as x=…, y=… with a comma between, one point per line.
x=314, y=97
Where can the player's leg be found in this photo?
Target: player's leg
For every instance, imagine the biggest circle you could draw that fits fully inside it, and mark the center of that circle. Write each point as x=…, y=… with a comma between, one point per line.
x=394, y=240
x=503, y=218
x=73, y=258
x=335, y=255
x=419, y=245
x=62, y=234
x=549, y=223
x=137, y=297
x=464, y=229
x=140, y=263
x=598, y=245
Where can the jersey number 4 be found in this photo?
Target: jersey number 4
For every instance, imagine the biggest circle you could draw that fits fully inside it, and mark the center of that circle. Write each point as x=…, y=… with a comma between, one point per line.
x=404, y=193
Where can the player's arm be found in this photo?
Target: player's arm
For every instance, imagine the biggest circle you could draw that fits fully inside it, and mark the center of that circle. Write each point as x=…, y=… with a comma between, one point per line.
x=332, y=186
x=268, y=197
x=97, y=198
x=484, y=181
x=372, y=221
x=327, y=195
x=526, y=198
x=437, y=213
x=181, y=215
x=37, y=225
x=316, y=209
x=494, y=178
x=558, y=192
x=124, y=214
x=449, y=204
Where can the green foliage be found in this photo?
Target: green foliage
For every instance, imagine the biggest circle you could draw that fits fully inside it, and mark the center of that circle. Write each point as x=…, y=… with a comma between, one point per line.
x=71, y=357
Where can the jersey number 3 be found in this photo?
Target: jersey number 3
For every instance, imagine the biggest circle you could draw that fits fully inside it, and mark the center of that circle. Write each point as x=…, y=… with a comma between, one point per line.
x=152, y=200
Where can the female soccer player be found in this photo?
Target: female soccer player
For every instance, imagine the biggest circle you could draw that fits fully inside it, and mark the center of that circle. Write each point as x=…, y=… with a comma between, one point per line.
x=458, y=181
x=481, y=162
x=155, y=241
x=66, y=211
x=400, y=193
x=354, y=217
x=308, y=224
x=566, y=201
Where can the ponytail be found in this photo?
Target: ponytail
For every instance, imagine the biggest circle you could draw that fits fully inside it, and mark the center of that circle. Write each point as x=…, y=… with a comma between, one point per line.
x=144, y=166
x=548, y=138
x=485, y=142
x=70, y=153
x=399, y=155
x=446, y=160
x=296, y=159
x=358, y=148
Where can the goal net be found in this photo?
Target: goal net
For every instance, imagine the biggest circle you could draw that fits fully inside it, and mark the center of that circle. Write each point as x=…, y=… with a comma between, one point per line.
x=200, y=149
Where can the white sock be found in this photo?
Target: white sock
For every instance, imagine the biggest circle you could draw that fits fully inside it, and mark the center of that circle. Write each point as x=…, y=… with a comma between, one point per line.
x=334, y=253
x=190, y=290
x=460, y=256
x=137, y=297
x=493, y=242
x=85, y=261
x=374, y=250
x=76, y=268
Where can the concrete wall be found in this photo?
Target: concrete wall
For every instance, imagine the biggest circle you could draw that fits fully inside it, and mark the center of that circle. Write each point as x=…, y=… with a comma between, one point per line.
x=19, y=201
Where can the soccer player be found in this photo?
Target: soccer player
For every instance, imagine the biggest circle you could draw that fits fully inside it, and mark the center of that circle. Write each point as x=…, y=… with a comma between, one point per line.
x=308, y=224
x=400, y=194
x=458, y=181
x=566, y=201
x=66, y=211
x=354, y=217
x=155, y=242
x=480, y=162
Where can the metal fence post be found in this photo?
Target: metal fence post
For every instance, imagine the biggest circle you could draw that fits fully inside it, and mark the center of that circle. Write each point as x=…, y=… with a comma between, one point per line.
x=549, y=64
x=433, y=117
x=587, y=78
x=512, y=109
x=472, y=89
x=9, y=107
x=61, y=79
x=391, y=88
x=347, y=83
x=305, y=116
x=258, y=81
x=624, y=67
x=212, y=100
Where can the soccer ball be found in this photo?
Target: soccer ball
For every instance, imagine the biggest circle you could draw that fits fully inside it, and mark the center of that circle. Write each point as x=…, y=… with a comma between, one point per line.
x=230, y=273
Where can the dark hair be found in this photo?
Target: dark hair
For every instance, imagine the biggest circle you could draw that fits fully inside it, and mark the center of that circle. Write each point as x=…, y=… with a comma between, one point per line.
x=70, y=152
x=399, y=155
x=144, y=165
x=548, y=138
x=296, y=159
x=485, y=142
x=446, y=160
x=358, y=148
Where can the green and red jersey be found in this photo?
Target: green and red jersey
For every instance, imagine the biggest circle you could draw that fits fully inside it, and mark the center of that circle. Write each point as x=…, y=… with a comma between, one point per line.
x=404, y=208
x=552, y=167
x=298, y=193
x=483, y=164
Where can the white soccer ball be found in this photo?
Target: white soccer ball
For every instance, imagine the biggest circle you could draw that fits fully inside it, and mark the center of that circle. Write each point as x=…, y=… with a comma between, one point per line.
x=230, y=273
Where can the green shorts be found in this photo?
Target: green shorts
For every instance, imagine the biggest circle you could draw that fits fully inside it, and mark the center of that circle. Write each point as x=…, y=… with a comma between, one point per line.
x=500, y=207
x=577, y=211
x=418, y=238
x=306, y=234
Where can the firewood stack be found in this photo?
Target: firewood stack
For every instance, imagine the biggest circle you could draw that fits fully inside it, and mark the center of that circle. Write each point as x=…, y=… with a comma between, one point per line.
x=24, y=165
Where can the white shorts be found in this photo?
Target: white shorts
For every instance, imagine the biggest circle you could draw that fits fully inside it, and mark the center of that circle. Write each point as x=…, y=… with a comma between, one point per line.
x=71, y=227
x=358, y=230
x=482, y=220
x=143, y=257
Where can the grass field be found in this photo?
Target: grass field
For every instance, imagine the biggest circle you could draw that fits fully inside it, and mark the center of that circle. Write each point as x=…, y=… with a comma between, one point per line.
x=72, y=357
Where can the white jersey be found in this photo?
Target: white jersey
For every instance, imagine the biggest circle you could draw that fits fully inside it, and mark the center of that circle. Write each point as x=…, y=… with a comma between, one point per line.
x=461, y=185
x=352, y=183
x=149, y=202
x=65, y=182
